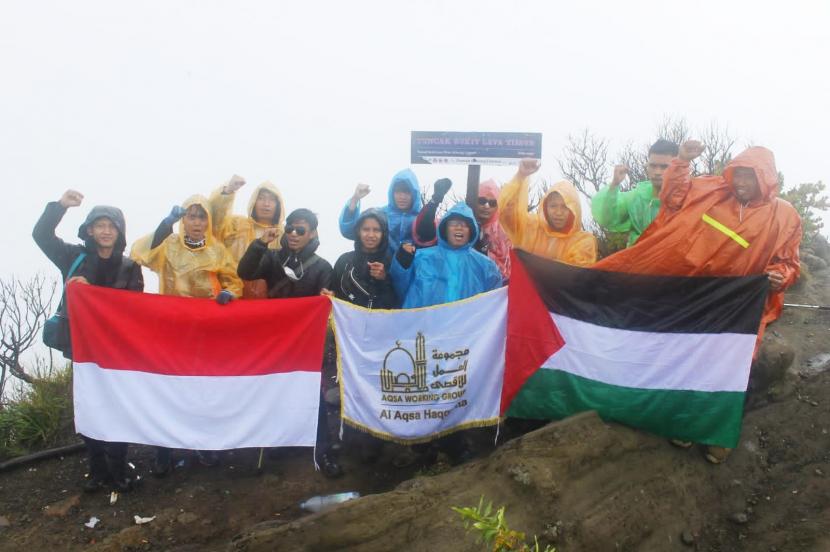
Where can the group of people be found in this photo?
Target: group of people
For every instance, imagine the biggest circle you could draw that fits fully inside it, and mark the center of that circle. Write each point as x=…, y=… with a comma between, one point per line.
x=406, y=256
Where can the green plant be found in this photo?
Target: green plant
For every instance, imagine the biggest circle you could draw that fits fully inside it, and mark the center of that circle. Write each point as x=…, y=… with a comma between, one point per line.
x=38, y=416
x=493, y=529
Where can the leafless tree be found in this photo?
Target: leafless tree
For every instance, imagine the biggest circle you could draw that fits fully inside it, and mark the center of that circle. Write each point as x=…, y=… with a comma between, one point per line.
x=635, y=158
x=718, y=153
x=673, y=129
x=584, y=162
x=24, y=307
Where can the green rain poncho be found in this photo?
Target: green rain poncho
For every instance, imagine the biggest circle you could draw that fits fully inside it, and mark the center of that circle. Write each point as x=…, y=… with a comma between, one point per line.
x=630, y=211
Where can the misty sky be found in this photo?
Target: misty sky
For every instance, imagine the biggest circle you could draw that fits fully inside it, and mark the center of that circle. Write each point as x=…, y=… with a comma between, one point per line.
x=140, y=104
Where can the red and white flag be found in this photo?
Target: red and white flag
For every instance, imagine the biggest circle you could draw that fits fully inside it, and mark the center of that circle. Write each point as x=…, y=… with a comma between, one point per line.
x=189, y=373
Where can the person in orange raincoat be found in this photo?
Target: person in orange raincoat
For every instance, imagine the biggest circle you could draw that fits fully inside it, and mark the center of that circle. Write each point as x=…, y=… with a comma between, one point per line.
x=555, y=230
x=730, y=225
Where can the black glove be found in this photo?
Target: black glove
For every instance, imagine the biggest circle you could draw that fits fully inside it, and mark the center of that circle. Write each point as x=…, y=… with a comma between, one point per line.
x=440, y=189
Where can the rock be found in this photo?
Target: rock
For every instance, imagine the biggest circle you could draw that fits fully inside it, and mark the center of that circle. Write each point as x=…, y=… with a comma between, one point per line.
x=814, y=262
x=62, y=507
x=186, y=517
x=774, y=359
x=687, y=537
x=740, y=518
x=4, y=522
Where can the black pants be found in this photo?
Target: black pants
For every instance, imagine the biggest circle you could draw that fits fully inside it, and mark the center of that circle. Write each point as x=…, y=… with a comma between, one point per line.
x=107, y=460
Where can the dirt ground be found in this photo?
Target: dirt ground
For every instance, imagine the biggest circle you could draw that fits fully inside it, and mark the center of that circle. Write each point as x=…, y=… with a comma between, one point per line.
x=580, y=484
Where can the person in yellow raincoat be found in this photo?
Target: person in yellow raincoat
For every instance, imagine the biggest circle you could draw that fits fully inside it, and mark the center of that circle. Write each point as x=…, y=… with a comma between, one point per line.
x=189, y=264
x=555, y=230
x=266, y=210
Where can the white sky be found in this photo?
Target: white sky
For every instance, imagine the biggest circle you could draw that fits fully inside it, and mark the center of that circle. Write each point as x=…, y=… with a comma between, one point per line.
x=140, y=104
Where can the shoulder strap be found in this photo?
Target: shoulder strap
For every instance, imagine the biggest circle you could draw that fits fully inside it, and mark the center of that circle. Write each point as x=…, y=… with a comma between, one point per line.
x=78, y=260
x=75, y=264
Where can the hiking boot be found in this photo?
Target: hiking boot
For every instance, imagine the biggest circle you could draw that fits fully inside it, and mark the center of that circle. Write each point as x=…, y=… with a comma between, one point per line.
x=123, y=485
x=717, y=455
x=208, y=458
x=162, y=466
x=94, y=484
x=329, y=466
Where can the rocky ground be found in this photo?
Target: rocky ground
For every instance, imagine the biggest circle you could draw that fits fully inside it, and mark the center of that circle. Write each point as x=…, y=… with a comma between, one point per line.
x=580, y=484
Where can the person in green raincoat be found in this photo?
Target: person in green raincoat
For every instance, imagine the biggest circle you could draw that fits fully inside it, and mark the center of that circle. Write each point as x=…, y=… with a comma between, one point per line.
x=634, y=210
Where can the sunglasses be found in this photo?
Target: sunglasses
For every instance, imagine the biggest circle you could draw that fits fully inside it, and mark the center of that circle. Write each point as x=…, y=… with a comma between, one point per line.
x=300, y=230
x=491, y=202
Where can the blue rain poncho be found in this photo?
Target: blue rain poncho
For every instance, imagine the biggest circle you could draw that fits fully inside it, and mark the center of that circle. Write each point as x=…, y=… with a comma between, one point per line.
x=441, y=274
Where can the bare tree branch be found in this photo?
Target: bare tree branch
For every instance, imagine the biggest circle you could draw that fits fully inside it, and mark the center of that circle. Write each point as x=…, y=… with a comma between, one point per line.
x=584, y=162
x=24, y=307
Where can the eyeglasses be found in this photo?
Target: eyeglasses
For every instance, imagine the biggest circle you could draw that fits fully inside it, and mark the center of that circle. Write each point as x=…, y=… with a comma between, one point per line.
x=491, y=202
x=300, y=230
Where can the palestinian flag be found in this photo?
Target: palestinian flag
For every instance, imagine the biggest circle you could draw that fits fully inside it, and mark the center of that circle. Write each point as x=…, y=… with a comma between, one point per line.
x=667, y=354
x=189, y=373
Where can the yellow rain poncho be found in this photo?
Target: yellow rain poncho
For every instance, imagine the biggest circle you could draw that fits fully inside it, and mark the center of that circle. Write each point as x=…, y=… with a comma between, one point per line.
x=238, y=231
x=198, y=272
x=531, y=231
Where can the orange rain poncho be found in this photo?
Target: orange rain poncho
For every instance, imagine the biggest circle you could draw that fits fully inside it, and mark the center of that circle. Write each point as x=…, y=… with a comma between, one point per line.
x=238, y=231
x=703, y=230
x=199, y=272
x=532, y=233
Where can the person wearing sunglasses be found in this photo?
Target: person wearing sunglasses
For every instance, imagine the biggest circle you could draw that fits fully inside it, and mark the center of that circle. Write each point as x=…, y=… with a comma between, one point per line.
x=555, y=230
x=404, y=203
x=265, y=210
x=295, y=270
x=99, y=262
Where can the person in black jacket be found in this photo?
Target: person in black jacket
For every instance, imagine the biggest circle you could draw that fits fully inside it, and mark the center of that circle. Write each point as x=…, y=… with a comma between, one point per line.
x=104, y=236
x=361, y=276
x=295, y=270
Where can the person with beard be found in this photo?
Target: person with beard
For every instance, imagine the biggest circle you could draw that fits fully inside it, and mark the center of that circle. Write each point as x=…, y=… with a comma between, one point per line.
x=295, y=270
x=100, y=262
x=266, y=209
x=190, y=263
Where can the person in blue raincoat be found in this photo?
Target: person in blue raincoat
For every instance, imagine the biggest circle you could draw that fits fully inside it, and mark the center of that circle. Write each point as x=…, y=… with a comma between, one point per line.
x=402, y=209
x=450, y=271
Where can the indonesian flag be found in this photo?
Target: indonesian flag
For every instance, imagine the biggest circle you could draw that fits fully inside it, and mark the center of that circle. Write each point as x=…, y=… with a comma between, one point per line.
x=667, y=354
x=189, y=373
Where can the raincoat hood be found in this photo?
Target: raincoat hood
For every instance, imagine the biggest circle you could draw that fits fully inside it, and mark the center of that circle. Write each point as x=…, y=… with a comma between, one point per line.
x=762, y=161
x=463, y=211
x=407, y=177
x=571, y=197
x=279, y=216
x=380, y=216
x=117, y=218
x=202, y=202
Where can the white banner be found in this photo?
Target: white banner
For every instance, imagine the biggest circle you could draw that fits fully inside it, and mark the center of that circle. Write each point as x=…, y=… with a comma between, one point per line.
x=412, y=375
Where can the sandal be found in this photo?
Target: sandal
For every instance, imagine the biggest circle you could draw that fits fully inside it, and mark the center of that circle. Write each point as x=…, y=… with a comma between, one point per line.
x=717, y=455
x=681, y=444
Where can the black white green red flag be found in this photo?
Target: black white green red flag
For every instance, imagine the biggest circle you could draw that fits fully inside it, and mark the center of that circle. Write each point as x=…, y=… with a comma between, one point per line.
x=667, y=354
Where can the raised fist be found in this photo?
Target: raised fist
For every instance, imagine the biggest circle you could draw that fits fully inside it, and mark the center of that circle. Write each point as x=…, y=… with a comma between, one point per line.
x=620, y=172
x=71, y=198
x=361, y=191
x=233, y=184
x=690, y=150
x=528, y=167
x=269, y=235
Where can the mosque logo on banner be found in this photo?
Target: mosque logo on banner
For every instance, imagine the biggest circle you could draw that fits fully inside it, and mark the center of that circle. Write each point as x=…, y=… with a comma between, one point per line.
x=406, y=380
